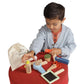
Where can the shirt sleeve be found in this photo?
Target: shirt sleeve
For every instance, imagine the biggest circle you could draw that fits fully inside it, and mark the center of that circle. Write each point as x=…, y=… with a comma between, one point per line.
x=69, y=46
x=37, y=43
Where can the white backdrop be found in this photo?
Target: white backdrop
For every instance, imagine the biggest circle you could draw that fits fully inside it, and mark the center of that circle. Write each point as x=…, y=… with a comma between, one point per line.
x=20, y=21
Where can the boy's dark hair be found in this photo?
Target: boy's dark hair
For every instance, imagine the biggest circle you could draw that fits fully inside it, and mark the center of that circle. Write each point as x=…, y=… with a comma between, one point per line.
x=54, y=11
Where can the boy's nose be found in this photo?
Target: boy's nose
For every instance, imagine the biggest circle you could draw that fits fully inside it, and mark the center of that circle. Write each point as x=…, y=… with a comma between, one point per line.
x=51, y=26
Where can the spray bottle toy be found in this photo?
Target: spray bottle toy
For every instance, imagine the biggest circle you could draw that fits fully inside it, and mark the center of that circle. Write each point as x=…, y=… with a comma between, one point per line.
x=28, y=66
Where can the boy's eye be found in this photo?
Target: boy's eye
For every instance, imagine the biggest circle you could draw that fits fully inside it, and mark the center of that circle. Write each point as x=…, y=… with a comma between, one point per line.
x=47, y=23
x=55, y=24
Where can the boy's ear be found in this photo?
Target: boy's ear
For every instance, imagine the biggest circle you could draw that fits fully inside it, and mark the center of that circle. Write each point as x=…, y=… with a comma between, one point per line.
x=63, y=20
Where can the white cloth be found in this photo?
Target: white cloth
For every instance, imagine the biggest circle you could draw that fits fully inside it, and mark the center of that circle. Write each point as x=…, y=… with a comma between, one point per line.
x=15, y=54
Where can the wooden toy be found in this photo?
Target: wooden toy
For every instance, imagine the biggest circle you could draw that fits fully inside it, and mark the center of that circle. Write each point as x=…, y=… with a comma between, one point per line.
x=59, y=71
x=65, y=61
x=31, y=59
x=48, y=51
x=28, y=67
x=52, y=67
x=39, y=62
x=39, y=68
x=44, y=62
x=47, y=57
x=50, y=76
x=57, y=64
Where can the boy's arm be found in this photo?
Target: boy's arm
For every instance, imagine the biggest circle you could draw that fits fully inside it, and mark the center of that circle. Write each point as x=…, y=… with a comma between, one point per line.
x=70, y=45
x=37, y=43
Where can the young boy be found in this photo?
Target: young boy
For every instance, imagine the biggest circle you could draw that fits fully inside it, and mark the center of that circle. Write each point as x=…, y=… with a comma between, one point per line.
x=54, y=35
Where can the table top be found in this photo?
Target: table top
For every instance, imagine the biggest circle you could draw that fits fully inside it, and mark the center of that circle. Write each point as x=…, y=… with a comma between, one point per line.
x=19, y=76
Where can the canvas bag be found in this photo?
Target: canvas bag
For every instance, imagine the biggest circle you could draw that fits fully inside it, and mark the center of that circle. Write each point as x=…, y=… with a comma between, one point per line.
x=15, y=53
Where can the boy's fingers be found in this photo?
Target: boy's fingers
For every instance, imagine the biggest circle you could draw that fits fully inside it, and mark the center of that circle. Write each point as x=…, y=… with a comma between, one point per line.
x=51, y=53
x=25, y=54
x=24, y=58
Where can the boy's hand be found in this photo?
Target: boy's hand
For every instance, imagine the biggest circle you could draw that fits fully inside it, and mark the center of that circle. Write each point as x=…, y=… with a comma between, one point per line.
x=28, y=55
x=56, y=51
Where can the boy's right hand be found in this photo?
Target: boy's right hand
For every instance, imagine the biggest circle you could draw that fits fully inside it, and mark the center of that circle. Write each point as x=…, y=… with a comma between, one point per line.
x=27, y=56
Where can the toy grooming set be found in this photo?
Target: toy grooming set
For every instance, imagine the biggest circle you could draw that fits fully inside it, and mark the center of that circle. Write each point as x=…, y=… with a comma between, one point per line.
x=48, y=75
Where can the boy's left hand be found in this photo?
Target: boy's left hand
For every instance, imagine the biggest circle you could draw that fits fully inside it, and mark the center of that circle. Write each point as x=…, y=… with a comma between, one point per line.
x=56, y=51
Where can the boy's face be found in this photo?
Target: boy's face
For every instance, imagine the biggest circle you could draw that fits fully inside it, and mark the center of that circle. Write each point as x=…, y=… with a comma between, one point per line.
x=54, y=24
